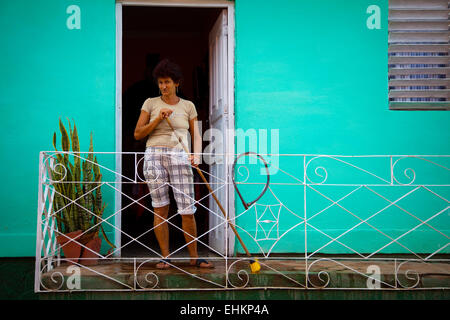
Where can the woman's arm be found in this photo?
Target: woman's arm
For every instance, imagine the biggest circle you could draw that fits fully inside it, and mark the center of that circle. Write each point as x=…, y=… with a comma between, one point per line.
x=196, y=142
x=144, y=128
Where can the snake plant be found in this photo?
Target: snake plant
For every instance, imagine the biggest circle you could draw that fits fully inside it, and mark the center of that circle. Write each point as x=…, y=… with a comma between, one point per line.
x=78, y=202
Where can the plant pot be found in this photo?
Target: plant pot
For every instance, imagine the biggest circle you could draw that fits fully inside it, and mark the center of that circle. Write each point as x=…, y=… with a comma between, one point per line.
x=92, y=257
x=72, y=249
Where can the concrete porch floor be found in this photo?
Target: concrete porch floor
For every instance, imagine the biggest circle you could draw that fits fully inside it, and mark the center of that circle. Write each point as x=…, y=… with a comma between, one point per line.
x=141, y=274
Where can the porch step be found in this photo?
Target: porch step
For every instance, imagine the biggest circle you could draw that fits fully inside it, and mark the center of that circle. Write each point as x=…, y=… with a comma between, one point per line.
x=321, y=274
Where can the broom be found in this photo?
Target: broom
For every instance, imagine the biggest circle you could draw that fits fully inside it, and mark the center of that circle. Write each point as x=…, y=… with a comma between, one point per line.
x=254, y=264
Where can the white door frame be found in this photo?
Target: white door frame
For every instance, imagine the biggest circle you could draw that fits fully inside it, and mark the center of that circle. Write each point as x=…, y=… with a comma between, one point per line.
x=229, y=148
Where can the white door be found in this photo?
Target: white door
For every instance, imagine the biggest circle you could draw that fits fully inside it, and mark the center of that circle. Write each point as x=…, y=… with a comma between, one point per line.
x=218, y=119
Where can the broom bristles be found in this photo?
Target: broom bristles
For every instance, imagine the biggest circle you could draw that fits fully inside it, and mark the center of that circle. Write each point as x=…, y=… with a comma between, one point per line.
x=255, y=266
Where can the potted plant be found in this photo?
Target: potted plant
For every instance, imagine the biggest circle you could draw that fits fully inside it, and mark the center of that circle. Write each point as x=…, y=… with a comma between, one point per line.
x=78, y=202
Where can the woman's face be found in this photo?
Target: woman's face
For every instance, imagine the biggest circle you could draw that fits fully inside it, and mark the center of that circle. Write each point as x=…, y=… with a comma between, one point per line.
x=167, y=86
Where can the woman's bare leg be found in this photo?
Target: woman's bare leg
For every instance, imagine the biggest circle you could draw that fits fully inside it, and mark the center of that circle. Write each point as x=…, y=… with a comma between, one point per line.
x=190, y=234
x=162, y=231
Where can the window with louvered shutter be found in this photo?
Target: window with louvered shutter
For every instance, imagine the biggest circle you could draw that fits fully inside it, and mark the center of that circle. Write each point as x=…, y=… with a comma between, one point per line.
x=419, y=55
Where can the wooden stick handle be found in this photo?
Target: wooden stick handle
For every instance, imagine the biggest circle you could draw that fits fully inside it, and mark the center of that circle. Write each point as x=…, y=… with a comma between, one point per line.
x=223, y=211
x=212, y=193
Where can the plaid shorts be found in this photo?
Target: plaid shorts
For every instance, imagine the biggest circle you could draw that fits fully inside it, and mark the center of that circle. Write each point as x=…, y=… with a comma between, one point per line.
x=168, y=166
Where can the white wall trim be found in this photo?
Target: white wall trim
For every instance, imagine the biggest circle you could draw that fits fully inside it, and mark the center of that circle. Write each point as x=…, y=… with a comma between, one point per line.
x=118, y=197
x=178, y=3
x=230, y=122
x=229, y=5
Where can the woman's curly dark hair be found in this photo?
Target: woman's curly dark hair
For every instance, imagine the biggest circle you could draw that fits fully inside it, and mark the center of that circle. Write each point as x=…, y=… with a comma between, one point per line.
x=167, y=69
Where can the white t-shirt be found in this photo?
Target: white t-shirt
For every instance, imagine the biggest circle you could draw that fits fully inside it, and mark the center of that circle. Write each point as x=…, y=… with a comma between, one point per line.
x=163, y=135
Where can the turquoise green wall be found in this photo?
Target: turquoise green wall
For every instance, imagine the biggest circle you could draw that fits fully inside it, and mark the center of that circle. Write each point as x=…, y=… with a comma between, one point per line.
x=49, y=71
x=313, y=70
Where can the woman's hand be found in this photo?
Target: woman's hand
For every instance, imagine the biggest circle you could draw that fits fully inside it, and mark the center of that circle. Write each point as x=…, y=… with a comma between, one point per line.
x=194, y=159
x=165, y=113
x=144, y=127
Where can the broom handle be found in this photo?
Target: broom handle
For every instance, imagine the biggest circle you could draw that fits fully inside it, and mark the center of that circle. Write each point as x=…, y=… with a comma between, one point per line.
x=212, y=193
x=223, y=211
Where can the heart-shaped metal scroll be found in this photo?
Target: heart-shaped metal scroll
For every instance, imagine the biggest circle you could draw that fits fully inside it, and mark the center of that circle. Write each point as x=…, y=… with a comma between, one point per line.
x=247, y=205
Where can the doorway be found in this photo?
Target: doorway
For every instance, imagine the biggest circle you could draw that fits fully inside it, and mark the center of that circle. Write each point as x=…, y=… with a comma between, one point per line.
x=150, y=34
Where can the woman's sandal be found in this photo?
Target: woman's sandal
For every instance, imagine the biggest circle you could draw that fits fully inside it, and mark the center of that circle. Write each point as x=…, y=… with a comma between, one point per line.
x=163, y=264
x=198, y=263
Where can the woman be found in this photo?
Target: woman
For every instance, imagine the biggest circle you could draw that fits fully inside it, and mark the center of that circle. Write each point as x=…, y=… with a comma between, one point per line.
x=165, y=160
